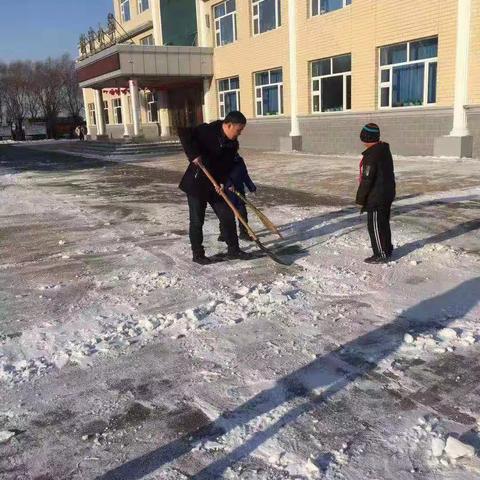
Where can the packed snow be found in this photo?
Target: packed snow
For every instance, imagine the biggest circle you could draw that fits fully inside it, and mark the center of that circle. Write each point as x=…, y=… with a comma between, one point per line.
x=115, y=344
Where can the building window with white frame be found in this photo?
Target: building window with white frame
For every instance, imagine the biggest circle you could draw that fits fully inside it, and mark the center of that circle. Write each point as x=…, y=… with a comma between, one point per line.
x=269, y=92
x=117, y=110
x=266, y=15
x=148, y=40
x=152, y=107
x=143, y=5
x=106, y=116
x=332, y=84
x=408, y=74
x=125, y=10
x=320, y=7
x=91, y=114
x=228, y=95
x=225, y=23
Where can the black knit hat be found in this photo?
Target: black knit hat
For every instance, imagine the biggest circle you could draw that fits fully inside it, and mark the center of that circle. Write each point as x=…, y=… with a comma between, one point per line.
x=370, y=133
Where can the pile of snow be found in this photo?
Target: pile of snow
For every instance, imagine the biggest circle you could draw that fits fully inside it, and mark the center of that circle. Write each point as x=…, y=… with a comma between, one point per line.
x=445, y=340
x=445, y=448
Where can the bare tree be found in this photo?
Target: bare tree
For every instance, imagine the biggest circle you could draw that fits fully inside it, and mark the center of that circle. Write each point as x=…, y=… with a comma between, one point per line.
x=48, y=86
x=72, y=93
x=15, y=86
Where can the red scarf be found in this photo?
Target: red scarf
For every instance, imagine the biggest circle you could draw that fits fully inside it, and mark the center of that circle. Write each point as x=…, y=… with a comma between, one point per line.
x=361, y=170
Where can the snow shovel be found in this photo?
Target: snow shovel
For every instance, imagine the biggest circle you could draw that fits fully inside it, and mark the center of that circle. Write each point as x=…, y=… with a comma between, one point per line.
x=240, y=219
x=263, y=218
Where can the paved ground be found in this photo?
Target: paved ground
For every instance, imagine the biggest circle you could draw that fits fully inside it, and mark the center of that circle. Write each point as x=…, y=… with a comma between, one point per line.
x=308, y=383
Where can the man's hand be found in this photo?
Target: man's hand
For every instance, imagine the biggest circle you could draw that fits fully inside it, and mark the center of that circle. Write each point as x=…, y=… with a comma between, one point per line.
x=220, y=188
x=198, y=162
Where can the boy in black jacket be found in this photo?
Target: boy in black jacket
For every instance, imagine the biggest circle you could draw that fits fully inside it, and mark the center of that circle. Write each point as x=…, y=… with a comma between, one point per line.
x=377, y=192
x=239, y=179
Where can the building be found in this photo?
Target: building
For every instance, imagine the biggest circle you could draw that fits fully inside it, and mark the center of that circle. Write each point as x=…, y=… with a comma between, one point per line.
x=306, y=73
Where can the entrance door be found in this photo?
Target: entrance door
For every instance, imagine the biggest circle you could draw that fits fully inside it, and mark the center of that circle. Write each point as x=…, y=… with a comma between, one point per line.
x=185, y=107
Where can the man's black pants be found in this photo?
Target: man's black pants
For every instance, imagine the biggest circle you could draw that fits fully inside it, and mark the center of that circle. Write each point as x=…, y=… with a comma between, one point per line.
x=379, y=231
x=197, y=208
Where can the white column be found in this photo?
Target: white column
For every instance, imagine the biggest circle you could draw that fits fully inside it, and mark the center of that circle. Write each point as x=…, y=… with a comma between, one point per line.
x=135, y=107
x=207, y=95
x=99, y=113
x=292, y=39
x=163, y=114
x=460, y=127
x=87, y=113
x=125, y=115
x=157, y=22
x=202, y=31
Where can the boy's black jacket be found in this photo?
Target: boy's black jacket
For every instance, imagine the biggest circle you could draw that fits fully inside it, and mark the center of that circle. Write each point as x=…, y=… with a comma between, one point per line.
x=217, y=153
x=377, y=185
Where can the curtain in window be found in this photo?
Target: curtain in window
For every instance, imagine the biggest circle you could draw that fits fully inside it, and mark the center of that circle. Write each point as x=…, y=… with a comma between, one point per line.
x=230, y=102
x=267, y=15
x=226, y=27
x=432, y=83
x=408, y=85
x=330, y=5
x=270, y=100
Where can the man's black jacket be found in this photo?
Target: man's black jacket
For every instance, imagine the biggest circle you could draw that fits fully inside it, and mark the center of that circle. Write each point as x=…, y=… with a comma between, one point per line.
x=377, y=185
x=217, y=153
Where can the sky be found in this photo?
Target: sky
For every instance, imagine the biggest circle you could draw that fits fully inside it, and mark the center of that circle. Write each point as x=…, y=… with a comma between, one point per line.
x=37, y=29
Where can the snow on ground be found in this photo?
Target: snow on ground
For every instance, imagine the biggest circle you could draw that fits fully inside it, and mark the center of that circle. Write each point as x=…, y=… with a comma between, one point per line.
x=120, y=358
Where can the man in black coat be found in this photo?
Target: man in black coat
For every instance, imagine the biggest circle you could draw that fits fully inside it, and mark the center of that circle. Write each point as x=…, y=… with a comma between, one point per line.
x=377, y=192
x=215, y=146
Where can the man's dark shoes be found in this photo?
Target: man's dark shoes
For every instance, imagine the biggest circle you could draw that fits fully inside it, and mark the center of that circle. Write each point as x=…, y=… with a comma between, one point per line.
x=201, y=260
x=239, y=255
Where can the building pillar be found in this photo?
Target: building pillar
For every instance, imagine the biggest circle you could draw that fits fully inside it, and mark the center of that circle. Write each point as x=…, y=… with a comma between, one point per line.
x=125, y=116
x=87, y=114
x=135, y=107
x=203, y=32
x=164, y=114
x=100, y=115
x=157, y=22
x=459, y=143
x=207, y=96
x=294, y=140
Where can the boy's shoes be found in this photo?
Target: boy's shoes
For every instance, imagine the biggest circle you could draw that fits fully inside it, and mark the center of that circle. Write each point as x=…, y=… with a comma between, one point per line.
x=201, y=260
x=221, y=238
x=375, y=259
x=244, y=236
x=239, y=255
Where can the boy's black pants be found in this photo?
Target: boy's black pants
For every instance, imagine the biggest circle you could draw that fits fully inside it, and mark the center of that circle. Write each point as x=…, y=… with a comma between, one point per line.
x=197, y=208
x=379, y=231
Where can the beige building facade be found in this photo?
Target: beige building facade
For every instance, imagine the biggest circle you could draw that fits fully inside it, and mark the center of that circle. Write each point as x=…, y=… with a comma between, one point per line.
x=306, y=73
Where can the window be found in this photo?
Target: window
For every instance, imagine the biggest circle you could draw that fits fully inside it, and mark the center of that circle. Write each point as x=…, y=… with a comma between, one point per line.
x=91, y=114
x=105, y=112
x=152, y=109
x=225, y=23
x=148, y=40
x=125, y=10
x=228, y=95
x=143, y=5
x=117, y=110
x=408, y=74
x=332, y=84
x=266, y=15
x=320, y=7
x=269, y=92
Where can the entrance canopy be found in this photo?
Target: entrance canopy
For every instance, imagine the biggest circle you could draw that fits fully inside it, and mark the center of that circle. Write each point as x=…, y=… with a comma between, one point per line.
x=151, y=65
